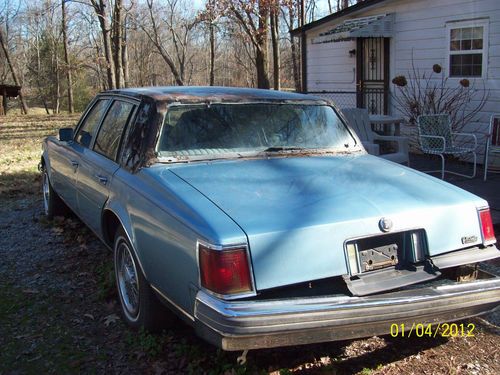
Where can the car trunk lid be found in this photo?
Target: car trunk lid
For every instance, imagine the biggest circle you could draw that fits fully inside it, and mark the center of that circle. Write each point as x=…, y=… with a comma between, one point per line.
x=300, y=212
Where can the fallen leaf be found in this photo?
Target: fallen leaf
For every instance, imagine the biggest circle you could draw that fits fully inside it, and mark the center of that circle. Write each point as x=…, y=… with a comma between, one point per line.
x=110, y=319
x=58, y=231
x=90, y=316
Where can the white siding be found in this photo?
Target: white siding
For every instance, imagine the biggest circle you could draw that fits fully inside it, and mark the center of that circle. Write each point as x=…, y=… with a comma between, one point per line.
x=419, y=35
x=330, y=67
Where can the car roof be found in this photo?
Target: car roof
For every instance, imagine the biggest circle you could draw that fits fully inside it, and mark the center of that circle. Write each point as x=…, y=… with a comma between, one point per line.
x=203, y=94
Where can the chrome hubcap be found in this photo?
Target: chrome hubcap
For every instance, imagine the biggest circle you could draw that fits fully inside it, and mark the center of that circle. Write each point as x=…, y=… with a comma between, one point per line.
x=46, y=193
x=128, y=284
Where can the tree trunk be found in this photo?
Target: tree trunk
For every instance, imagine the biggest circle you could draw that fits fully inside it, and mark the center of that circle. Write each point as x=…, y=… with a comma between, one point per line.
x=275, y=44
x=3, y=44
x=100, y=10
x=117, y=42
x=295, y=64
x=3, y=104
x=124, y=56
x=212, y=52
x=57, y=95
x=262, y=50
x=69, y=77
x=101, y=79
x=38, y=74
x=110, y=66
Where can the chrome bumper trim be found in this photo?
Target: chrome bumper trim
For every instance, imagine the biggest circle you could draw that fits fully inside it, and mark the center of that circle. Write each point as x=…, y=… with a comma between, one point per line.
x=239, y=325
x=459, y=257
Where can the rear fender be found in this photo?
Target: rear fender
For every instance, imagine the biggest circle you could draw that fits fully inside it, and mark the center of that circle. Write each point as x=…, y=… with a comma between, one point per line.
x=121, y=213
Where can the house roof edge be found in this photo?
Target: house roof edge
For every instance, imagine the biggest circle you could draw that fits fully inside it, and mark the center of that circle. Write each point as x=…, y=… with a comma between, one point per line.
x=344, y=12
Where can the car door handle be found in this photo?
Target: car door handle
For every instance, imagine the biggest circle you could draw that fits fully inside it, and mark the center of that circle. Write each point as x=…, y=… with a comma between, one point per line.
x=75, y=165
x=102, y=179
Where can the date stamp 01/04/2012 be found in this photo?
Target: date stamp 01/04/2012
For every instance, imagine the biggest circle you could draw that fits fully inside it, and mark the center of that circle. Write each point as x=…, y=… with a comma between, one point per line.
x=433, y=330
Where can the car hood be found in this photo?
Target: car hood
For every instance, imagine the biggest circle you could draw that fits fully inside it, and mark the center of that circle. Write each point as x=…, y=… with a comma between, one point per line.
x=297, y=212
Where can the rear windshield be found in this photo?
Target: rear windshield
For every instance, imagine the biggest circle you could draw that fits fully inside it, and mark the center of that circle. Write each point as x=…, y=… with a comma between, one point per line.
x=197, y=130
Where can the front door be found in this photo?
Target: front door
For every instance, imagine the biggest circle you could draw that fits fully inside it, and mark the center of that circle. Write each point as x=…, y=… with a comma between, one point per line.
x=372, y=69
x=66, y=160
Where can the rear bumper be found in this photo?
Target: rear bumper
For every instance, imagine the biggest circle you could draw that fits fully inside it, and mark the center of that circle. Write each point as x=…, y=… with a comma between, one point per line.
x=239, y=325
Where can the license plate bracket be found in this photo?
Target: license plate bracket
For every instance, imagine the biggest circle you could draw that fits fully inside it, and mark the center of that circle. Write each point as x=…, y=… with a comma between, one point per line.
x=378, y=257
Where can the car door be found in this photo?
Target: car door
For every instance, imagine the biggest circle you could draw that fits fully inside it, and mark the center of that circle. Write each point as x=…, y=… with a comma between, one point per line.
x=65, y=158
x=98, y=165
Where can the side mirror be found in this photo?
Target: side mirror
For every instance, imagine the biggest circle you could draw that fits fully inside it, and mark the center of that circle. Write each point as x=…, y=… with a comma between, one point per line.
x=66, y=134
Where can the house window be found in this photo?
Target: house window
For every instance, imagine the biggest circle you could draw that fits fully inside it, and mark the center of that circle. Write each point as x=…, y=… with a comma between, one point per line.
x=467, y=45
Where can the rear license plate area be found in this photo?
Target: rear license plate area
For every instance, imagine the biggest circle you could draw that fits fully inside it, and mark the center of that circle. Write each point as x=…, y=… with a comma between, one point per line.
x=397, y=250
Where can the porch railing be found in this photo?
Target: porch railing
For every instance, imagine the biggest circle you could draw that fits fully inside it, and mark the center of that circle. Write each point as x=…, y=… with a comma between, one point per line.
x=343, y=99
x=373, y=99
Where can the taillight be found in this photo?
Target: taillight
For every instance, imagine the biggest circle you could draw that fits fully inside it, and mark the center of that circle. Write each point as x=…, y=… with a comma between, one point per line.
x=224, y=271
x=487, y=227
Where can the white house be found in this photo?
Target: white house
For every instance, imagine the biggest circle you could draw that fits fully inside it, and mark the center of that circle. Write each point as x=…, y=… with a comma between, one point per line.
x=352, y=56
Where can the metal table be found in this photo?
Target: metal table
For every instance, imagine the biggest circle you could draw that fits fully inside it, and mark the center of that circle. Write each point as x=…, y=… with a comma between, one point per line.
x=386, y=124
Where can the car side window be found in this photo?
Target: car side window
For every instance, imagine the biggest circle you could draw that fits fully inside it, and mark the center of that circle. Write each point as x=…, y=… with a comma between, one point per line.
x=87, y=131
x=108, y=138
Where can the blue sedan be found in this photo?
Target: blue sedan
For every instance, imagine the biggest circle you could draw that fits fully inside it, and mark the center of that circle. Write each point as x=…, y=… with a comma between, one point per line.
x=258, y=217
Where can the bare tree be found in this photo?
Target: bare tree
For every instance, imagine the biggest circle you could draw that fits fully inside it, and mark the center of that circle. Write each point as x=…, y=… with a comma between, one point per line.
x=274, y=16
x=94, y=45
x=253, y=17
x=210, y=16
x=102, y=14
x=124, y=50
x=69, y=77
x=290, y=12
x=179, y=31
x=116, y=40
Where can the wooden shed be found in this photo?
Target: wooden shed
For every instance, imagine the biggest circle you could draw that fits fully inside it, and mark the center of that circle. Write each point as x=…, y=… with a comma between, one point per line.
x=7, y=91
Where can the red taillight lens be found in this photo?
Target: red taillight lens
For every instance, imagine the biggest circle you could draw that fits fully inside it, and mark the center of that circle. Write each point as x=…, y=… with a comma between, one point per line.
x=224, y=271
x=487, y=227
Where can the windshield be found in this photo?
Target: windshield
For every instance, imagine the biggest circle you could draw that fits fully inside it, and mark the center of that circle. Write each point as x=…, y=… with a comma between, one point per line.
x=205, y=131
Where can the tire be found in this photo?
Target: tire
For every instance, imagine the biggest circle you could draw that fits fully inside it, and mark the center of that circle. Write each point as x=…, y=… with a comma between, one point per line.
x=139, y=305
x=52, y=203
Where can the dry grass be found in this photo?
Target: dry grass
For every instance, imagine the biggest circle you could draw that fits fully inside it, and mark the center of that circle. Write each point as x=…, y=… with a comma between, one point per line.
x=20, y=149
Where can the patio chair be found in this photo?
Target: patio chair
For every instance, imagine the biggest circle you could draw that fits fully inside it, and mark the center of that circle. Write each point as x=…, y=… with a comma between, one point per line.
x=437, y=138
x=359, y=121
x=493, y=134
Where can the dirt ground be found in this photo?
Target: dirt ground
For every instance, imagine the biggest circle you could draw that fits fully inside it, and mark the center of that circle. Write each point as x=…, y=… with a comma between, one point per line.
x=58, y=309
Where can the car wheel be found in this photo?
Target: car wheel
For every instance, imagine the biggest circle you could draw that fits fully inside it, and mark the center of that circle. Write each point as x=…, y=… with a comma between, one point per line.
x=52, y=203
x=139, y=304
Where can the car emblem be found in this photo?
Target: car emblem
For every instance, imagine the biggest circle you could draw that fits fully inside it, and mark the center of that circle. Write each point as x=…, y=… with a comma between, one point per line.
x=385, y=224
x=469, y=239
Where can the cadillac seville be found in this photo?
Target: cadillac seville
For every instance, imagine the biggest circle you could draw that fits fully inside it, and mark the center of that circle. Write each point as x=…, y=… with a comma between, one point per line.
x=258, y=218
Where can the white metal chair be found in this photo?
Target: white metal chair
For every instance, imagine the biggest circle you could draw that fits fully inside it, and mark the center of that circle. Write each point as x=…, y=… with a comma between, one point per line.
x=359, y=120
x=492, y=141
x=437, y=138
